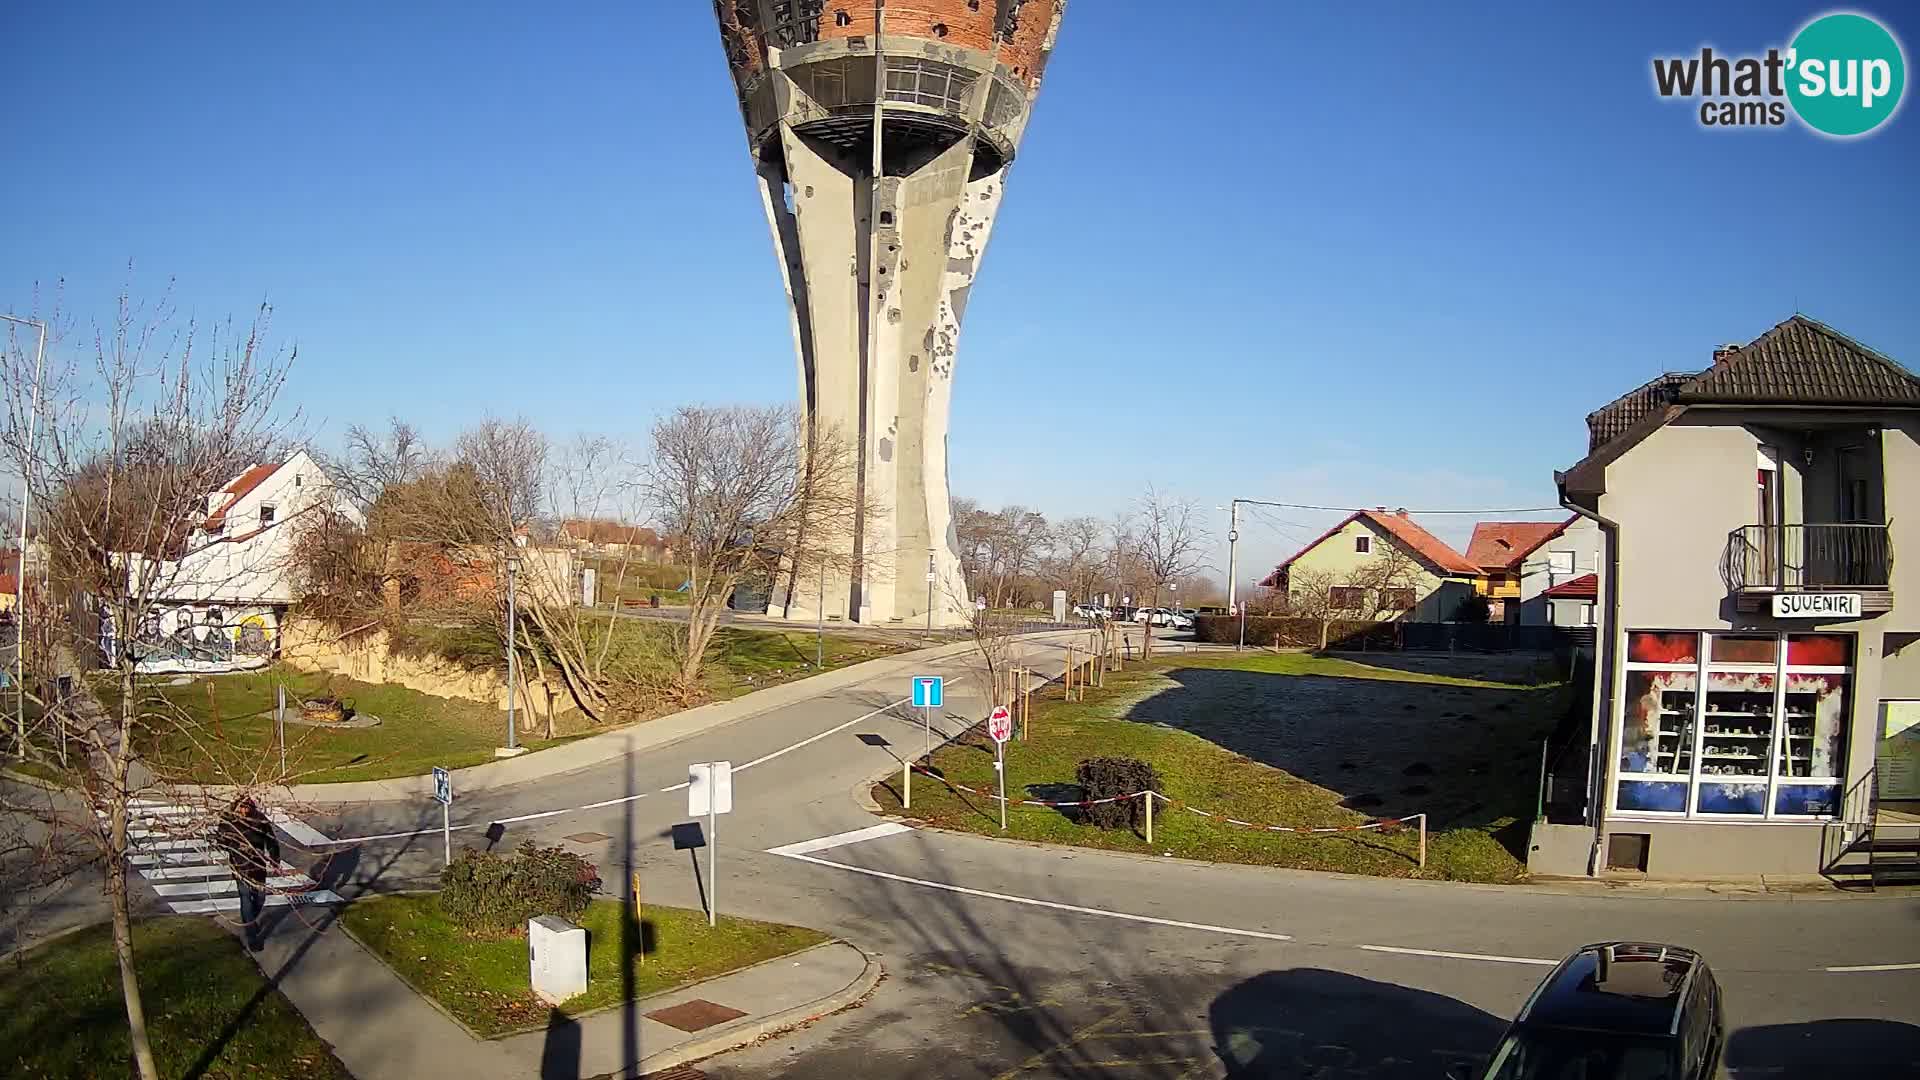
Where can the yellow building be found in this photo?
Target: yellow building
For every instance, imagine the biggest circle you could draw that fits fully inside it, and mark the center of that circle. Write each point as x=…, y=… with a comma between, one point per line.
x=1378, y=564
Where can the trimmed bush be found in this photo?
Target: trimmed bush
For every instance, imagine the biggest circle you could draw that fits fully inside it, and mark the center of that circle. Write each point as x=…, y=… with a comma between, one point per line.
x=494, y=895
x=1112, y=777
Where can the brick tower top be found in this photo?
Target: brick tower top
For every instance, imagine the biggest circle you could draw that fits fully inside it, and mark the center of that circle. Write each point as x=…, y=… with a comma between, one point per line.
x=953, y=67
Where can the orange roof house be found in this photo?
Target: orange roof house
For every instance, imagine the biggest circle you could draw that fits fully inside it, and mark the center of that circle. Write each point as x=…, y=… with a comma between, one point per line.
x=1429, y=579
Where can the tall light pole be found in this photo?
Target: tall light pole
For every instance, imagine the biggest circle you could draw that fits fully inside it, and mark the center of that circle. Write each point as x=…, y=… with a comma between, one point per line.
x=20, y=570
x=1233, y=552
x=513, y=568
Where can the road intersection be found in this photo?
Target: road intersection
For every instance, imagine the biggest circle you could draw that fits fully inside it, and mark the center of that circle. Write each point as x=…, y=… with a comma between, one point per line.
x=1009, y=959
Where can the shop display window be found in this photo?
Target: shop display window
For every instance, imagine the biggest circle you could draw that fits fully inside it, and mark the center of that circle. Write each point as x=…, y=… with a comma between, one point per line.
x=1756, y=729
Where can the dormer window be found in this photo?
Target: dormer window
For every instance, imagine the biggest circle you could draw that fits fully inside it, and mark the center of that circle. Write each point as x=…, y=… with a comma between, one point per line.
x=266, y=514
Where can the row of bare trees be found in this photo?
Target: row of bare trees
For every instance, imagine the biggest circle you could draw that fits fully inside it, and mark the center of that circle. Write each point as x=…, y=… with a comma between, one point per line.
x=1015, y=557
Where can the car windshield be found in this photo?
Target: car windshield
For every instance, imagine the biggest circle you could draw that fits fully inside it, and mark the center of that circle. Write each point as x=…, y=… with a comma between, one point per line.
x=1580, y=1055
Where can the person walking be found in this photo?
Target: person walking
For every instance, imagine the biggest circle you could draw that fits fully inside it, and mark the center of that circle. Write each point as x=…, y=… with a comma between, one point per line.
x=253, y=854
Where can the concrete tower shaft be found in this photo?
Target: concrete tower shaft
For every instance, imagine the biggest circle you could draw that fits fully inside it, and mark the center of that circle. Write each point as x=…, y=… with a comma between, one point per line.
x=882, y=132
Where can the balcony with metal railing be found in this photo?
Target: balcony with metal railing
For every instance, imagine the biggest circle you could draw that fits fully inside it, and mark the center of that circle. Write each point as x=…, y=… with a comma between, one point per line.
x=1762, y=561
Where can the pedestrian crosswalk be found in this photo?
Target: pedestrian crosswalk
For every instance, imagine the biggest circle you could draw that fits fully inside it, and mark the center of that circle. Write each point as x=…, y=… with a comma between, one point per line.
x=172, y=848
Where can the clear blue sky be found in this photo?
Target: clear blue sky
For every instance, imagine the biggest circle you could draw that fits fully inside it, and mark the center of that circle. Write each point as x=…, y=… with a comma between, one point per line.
x=1310, y=256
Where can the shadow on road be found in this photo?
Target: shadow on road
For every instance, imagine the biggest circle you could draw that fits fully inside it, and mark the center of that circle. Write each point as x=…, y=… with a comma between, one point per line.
x=1883, y=1049
x=1089, y=999
x=1313, y=1022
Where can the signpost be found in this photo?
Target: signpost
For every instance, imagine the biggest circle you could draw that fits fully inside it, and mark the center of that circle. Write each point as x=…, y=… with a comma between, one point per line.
x=929, y=692
x=1000, y=726
x=443, y=794
x=710, y=792
x=280, y=722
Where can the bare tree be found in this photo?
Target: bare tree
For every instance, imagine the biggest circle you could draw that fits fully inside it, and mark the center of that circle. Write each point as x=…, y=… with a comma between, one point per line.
x=1168, y=539
x=131, y=441
x=745, y=491
x=1001, y=551
x=375, y=461
x=1079, y=555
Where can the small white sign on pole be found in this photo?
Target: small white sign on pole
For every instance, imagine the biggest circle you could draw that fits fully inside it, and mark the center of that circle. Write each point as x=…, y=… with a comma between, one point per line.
x=710, y=792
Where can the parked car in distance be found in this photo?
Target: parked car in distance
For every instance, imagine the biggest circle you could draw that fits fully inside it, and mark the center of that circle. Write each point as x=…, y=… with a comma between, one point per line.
x=1618, y=1010
x=1091, y=611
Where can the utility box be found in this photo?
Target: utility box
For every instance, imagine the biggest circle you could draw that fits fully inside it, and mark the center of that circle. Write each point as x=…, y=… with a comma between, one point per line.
x=1059, y=605
x=557, y=957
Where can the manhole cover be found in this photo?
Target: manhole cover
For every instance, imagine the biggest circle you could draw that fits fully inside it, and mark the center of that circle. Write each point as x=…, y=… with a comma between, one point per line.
x=588, y=837
x=696, y=1015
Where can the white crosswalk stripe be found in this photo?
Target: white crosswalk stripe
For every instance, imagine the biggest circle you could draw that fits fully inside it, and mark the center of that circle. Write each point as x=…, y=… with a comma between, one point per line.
x=179, y=860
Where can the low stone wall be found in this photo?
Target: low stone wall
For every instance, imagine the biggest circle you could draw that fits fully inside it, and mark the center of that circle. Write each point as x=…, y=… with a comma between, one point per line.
x=311, y=645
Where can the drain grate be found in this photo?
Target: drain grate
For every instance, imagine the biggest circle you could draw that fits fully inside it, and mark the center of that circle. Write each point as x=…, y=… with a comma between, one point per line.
x=696, y=1015
x=588, y=837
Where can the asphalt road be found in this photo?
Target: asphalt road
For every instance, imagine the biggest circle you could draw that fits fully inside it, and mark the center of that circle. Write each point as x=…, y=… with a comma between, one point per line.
x=1010, y=960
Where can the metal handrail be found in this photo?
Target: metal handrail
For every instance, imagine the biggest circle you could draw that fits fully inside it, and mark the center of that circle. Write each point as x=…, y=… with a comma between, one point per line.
x=1808, y=556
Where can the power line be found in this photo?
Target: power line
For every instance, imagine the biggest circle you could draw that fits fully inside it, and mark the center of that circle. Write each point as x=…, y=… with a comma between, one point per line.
x=1376, y=509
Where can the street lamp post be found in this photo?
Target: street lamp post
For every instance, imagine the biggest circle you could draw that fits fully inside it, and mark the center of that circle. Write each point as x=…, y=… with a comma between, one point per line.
x=513, y=568
x=20, y=571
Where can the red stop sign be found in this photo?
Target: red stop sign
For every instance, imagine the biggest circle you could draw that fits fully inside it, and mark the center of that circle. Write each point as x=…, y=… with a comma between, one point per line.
x=1000, y=724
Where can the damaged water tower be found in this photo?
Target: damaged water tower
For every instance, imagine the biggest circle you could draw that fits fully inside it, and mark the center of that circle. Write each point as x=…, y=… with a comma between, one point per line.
x=882, y=133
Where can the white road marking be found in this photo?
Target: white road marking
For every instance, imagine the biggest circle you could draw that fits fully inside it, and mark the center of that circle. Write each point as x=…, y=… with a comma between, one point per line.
x=816, y=738
x=302, y=833
x=602, y=804
x=1032, y=902
x=209, y=907
x=827, y=843
x=1398, y=951
x=1874, y=967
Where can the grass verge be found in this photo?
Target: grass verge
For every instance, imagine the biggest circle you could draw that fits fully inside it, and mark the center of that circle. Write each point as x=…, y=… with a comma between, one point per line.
x=223, y=730
x=1294, y=709
x=483, y=981
x=210, y=1012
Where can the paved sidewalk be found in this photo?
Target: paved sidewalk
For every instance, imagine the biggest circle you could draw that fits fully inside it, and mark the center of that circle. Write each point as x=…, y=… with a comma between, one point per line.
x=381, y=1030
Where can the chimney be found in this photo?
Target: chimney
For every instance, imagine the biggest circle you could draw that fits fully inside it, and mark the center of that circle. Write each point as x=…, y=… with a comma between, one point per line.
x=1402, y=511
x=1724, y=353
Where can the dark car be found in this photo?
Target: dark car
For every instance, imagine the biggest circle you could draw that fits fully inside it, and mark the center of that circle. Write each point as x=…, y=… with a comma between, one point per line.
x=1619, y=1010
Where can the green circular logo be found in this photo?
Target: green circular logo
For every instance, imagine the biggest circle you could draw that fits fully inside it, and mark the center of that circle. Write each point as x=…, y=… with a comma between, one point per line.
x=1845, y=74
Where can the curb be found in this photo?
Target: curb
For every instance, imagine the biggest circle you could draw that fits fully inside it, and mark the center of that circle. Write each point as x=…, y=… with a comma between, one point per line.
x=744, y=1032
x=1579, y=889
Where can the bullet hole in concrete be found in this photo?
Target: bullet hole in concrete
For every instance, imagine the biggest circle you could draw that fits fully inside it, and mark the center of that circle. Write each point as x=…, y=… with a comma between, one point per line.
x=886, y=449
x=886, y=218
x=913, y=362
x=809, y=191
x=973, y=5
x=893, y=316
x=939, y=29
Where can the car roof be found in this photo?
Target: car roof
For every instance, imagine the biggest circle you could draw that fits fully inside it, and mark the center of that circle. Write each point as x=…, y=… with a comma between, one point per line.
x=1630, y=987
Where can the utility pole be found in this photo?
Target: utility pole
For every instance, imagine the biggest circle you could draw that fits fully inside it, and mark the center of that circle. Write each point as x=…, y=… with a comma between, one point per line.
x=1233, y=551
x=20, y=571
x=513, y=567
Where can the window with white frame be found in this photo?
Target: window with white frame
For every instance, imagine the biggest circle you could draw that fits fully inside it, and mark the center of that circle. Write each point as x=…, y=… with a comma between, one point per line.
x=1739, y=726
x=1560, y=562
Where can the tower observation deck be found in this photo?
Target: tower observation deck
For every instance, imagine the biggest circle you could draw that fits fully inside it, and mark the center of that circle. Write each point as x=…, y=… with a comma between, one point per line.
x=882, y=133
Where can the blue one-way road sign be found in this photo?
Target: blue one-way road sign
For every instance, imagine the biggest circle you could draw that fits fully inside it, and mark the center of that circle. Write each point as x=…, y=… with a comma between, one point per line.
x=927, y=691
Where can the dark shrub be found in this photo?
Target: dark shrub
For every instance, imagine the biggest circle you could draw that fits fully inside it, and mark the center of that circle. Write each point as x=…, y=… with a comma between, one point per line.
x=484, y=893
x=1111, y=777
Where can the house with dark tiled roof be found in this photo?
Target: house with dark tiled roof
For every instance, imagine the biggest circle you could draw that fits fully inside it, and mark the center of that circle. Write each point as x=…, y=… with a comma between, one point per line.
x=1757, y=597
x=1377, y=564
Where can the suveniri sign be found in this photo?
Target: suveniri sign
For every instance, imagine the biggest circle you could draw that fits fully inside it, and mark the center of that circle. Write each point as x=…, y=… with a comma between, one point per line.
x=1816, y=606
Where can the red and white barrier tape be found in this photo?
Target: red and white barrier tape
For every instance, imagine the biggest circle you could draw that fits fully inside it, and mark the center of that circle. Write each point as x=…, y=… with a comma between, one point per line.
x=1378, y=824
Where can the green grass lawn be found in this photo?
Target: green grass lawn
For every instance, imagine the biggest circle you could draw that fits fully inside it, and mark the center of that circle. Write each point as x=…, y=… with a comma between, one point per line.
x=223, y=731
x=1354, y=741
x=209, y=1011
x=483, y=981
x=220, y=728
x=741, y=660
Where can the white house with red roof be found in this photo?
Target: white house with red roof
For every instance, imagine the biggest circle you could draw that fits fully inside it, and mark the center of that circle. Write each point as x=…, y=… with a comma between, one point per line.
x=1521, y=560
x=225, y=597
